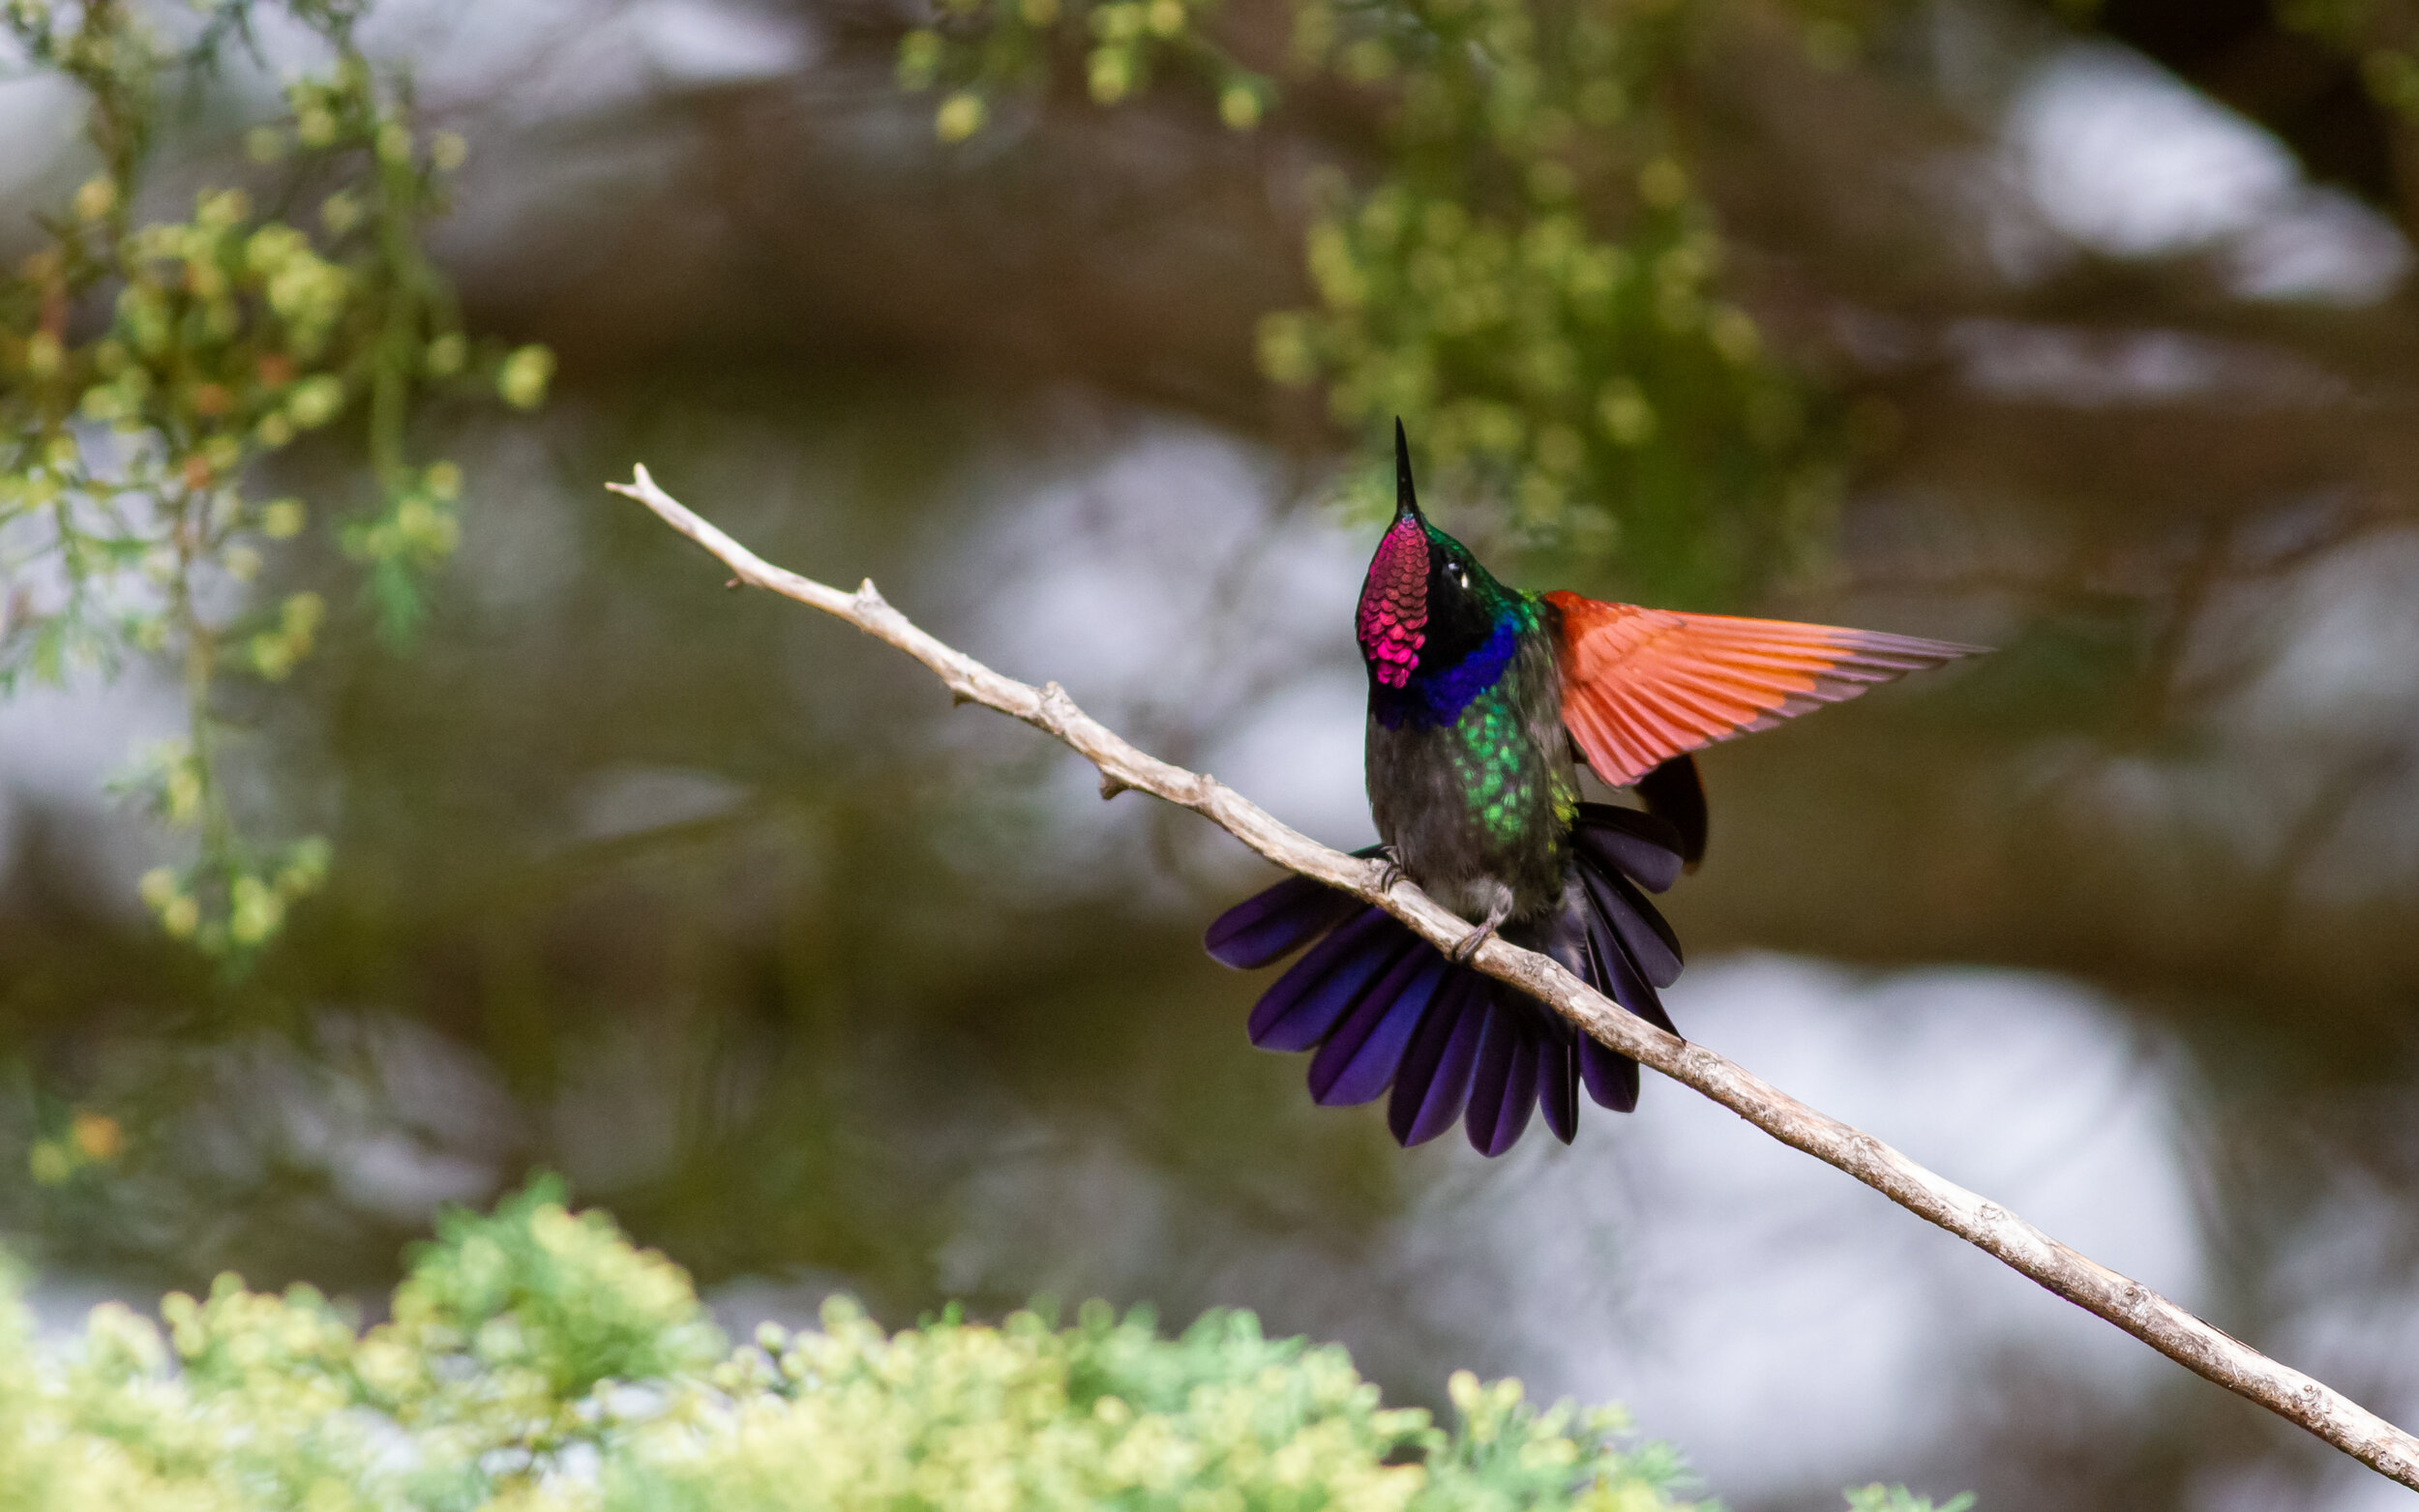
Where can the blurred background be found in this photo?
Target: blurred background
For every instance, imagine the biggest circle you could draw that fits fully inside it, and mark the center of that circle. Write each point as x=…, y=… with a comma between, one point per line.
x=2102, y=321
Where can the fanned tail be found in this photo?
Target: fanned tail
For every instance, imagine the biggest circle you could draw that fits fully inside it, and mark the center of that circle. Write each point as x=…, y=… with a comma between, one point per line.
x=1386, y=1012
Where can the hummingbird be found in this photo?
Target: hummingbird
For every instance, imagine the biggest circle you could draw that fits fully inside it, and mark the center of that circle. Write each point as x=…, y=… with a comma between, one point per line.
x=1484, y=704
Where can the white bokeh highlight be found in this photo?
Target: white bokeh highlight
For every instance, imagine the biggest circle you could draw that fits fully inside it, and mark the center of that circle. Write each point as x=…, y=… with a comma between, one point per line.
x=2129, y=161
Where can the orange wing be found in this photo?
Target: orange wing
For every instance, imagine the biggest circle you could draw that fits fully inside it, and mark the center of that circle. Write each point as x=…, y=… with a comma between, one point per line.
x=1640, y=686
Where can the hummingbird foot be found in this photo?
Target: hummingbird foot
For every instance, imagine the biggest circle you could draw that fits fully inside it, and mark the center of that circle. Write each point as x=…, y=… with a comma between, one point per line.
x=1461, y=953
x=1393, y=872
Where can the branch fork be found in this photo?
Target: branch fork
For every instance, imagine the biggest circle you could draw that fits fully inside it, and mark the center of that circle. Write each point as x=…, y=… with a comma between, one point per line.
x=2206, y=1350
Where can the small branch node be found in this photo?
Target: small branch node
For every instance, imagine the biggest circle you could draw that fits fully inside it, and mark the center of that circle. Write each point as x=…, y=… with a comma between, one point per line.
x=1056, y=707
x=1111, y=786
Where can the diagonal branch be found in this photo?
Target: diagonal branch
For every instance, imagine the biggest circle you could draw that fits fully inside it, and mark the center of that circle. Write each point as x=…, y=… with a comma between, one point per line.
x=2126, y=1303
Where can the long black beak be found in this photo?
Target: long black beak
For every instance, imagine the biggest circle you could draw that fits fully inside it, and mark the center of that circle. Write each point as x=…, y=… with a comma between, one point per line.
x=1406, y=501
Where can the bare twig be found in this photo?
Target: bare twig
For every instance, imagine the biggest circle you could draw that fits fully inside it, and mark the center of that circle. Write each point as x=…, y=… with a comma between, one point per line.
x=2126, y=1303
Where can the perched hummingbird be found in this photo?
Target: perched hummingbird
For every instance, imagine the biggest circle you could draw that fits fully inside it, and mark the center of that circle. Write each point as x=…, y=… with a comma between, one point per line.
x=1482, y=701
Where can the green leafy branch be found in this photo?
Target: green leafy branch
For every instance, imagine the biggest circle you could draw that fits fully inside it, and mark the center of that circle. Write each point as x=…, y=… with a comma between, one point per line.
x=1529, y=274
x=535, y=1360
x=150, y=372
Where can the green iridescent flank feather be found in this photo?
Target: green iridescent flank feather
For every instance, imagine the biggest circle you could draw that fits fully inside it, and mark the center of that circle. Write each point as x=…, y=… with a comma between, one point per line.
x=1486, y=759
x=1510, y=794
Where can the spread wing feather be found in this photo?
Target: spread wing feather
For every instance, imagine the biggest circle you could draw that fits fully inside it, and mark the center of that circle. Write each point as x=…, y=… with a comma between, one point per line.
x=1641, y=686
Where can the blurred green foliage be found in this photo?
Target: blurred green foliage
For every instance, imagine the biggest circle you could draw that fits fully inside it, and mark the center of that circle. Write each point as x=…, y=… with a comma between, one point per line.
x=1527, y=271
x=149, y=370
x=535, y=1359
x=2382, y=35
x=1897, y=1498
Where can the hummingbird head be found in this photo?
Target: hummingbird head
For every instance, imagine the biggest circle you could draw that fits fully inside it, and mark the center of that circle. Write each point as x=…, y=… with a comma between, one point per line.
x=1427, y=601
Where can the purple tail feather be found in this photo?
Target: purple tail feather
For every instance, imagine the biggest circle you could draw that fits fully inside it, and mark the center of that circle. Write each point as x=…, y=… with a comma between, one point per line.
x=1385, y=1011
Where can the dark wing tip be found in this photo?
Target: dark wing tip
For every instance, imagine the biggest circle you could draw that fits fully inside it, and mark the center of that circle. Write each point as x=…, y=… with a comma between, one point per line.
x=1643, y=847
x=1675, y=793
x=1878, y=655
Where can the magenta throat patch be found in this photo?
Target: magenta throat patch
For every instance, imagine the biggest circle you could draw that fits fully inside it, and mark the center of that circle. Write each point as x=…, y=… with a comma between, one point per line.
x=1394, y=604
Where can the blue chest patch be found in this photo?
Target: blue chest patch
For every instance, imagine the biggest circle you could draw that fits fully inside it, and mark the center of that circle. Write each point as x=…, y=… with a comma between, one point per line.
x=1435, y=699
